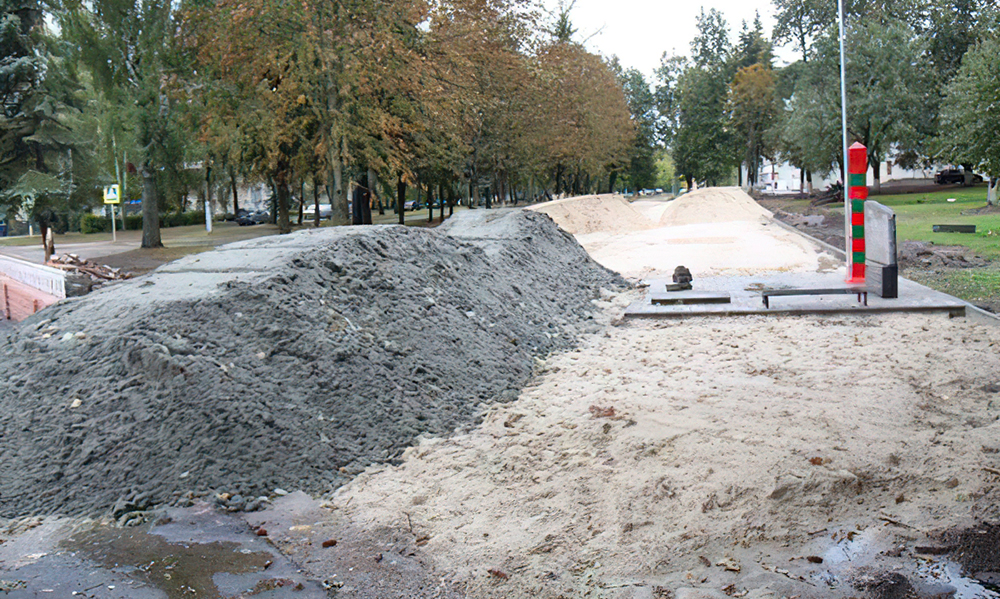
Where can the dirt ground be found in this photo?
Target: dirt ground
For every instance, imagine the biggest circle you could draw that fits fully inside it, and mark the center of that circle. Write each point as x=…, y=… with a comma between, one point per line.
x=705, y=458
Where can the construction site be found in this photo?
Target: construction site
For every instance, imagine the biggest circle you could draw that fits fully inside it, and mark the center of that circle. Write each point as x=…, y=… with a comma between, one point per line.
x=587, y=398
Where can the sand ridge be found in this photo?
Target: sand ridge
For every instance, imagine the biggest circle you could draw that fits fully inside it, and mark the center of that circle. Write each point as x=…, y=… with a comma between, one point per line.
x=610, y=213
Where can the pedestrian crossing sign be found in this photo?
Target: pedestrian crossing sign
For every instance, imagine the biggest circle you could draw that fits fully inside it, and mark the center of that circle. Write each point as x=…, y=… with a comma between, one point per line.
x=111, y=195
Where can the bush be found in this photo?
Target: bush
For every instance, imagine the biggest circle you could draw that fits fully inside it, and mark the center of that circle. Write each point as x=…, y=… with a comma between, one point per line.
x=90, y=223
x=133, y=222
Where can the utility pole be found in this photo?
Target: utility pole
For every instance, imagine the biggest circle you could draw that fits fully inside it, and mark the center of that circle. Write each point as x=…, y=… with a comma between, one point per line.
x=843, y=127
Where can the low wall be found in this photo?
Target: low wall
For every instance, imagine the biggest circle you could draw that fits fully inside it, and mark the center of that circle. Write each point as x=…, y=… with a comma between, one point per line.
x=26, y=288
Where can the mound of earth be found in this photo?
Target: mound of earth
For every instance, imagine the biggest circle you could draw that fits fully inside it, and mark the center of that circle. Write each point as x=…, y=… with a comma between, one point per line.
x=290, y=362
x=594, y=214
x=921, y=254
x=712, y=204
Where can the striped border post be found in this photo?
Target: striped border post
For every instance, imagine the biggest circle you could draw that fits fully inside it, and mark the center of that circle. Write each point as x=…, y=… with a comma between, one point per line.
x=857, y=192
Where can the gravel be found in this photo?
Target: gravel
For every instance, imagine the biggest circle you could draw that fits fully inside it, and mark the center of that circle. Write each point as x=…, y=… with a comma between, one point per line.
x=290, y=362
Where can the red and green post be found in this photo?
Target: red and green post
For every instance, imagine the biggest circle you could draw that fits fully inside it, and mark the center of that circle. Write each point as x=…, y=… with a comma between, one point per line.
x=857, y=193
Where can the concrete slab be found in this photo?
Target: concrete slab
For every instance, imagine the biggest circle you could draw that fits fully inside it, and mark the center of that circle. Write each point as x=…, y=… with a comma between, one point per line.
x=745, y=294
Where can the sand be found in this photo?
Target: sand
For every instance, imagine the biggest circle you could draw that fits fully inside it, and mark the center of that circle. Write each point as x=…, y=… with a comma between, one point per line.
x=710, y=231
x=590, y=214
x=710, y=457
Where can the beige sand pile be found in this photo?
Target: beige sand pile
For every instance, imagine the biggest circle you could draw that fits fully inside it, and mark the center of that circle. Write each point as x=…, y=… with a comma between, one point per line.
x=716, y=444
x=589, y=214
x=714, y=231
x=713, y=205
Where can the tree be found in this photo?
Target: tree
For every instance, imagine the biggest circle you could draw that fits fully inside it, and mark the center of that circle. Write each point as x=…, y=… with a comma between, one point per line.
x=128, y=48
x=642, y=106
x=970, y=123
x=711, y=48
x=666, y=96
x=47, y=136
x=753, y=47
x=753, y=109
x=801, y=21
x=894, y=110
x=703, y=147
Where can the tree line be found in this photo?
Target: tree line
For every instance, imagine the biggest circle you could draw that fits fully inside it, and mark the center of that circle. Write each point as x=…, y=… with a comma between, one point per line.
x=923, y=85
x=379, y=96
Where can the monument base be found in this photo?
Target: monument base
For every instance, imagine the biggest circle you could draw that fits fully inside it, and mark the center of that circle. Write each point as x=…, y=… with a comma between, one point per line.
x=883, y=281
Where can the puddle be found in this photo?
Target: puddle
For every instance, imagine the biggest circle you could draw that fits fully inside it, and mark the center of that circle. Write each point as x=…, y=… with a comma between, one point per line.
x=950, y=573
x=179, y=570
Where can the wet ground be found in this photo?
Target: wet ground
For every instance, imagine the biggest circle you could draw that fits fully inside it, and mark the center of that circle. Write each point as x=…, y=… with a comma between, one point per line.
x=295, y=548
x=193, y=552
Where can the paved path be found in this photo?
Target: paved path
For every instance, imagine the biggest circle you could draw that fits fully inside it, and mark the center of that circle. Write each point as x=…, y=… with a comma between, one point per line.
x=34, y=253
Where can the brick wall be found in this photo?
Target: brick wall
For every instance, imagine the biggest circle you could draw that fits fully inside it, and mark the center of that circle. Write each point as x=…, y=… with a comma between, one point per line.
x=19, y=301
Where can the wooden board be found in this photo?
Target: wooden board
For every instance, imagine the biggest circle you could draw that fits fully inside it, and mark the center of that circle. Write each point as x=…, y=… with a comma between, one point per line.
x=682, y=298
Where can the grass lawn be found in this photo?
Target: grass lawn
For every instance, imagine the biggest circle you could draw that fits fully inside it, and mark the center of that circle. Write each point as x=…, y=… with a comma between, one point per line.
x=916, y=213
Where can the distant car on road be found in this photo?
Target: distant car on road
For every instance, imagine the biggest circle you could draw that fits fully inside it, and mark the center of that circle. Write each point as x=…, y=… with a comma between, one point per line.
x=253, y=218
x=410, y=205
x=325, y=211
x=950, y=176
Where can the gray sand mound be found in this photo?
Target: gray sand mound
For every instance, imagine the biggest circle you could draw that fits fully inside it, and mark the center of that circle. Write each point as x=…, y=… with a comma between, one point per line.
x=282, y=362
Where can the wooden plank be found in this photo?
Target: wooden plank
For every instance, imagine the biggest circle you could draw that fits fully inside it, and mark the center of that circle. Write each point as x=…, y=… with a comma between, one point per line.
x=681, y=299
x=954, y=228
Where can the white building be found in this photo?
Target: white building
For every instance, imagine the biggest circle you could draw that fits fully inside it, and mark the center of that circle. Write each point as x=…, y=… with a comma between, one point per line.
x=778, y=178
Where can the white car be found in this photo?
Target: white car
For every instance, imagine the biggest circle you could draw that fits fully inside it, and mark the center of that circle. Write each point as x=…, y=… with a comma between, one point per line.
x=325, y=211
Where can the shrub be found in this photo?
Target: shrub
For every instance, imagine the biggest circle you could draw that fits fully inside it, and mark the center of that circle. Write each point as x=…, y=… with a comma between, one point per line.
x=90, y=223
x=133, y=222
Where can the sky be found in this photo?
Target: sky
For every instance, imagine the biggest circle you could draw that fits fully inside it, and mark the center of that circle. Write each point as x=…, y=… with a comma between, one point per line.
x=639, y=31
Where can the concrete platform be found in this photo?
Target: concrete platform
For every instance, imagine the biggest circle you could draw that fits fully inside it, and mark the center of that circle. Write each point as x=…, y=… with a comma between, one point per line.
x=745, y=298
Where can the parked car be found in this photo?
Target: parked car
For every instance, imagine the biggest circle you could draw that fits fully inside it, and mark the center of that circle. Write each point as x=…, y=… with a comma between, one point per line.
x=253, y=218
x=410, y=205
x=325, y=211
x=951, y=176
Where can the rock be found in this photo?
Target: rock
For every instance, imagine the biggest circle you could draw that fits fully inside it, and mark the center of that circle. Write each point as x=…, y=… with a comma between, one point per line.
x=280, y=492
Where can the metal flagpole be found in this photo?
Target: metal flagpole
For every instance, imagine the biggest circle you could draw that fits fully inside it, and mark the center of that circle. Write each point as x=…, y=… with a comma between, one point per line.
x=843, y=126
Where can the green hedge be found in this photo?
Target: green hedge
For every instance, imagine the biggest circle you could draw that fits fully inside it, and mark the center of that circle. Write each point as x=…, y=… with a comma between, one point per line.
x=90, y=223
x=133, y=222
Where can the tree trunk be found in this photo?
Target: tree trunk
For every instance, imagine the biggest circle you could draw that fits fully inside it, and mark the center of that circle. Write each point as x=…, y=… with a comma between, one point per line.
x=474, y=190
x=338, y=199
x=236, y=199
x=991, y=195
x=302, y=201
x=401, y=198
x=48, y=242
x=430, y=202
x=284, y=226
x=208, y=187
x=376, y=193
x=316, y=202
x=451, y=201
x=612, y=179
x=361, y=202
x=441, y=200
x=877, y=172
x=150, y=211
x=273, y=205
